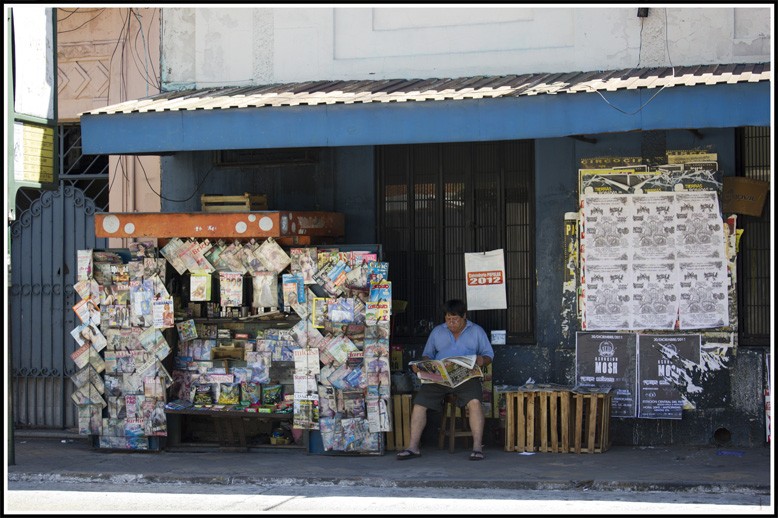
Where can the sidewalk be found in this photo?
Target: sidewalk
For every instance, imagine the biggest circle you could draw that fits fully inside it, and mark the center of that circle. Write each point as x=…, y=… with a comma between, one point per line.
x=699, y=469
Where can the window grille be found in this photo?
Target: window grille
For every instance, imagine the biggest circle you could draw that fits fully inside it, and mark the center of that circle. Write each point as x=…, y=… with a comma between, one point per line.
x=440, y=201
x=753, y=263
x=89, y=173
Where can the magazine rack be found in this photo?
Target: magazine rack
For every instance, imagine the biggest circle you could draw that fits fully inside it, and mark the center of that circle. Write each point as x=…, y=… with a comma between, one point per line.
x=237, y=426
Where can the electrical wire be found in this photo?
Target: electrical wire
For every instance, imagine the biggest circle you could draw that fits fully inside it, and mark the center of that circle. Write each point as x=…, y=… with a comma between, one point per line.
x=640, y=48
x=194, y=193
x=667, y=52
x=144, y=71
x=75, y=29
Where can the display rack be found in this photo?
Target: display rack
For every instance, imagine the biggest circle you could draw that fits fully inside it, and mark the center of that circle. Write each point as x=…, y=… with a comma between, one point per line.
x=203, y=426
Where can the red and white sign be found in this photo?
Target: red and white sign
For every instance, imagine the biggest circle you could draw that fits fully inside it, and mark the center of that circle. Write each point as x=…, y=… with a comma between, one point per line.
x=485, y=280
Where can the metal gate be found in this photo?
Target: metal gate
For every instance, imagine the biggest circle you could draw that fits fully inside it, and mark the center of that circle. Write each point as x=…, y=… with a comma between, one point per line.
x=44, y=241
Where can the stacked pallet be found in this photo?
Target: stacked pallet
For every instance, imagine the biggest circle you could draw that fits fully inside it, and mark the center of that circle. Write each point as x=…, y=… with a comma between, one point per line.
x=556, y=419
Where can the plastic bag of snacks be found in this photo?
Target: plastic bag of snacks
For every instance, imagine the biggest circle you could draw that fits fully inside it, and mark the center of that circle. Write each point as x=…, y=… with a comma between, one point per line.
x=203, y=394
x=229, y=394
x=250, y=393
x=272, y=394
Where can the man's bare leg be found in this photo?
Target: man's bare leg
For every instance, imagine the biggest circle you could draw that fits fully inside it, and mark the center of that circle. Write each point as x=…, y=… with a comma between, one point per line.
x=476, y=423
x=418, y=422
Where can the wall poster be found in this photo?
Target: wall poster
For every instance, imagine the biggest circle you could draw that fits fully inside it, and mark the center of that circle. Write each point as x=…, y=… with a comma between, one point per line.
x=485, y=274
x=608, y=360
x=662, y=360
x=654, y=261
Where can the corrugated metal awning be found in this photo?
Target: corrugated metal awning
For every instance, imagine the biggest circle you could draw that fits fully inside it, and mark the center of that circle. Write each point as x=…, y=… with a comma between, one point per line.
x=315, y=93
x=407, y=111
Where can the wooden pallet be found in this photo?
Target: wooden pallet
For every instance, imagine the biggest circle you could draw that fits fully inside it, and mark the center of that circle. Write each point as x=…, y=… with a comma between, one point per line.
x=520, y=421
x=239, y=203
x=557, y=421
x=592, y=423
x=399, y=438
x=554, y=421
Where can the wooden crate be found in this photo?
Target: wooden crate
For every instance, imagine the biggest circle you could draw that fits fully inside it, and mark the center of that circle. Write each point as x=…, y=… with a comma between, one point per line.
x=399, y=438
x=554, y=433
x=557, y=421
x=520, y=421
x=245, y=202
x=592, y=422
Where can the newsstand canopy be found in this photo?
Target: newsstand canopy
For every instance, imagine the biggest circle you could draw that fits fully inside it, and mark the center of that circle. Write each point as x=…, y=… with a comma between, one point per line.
x=402, y=111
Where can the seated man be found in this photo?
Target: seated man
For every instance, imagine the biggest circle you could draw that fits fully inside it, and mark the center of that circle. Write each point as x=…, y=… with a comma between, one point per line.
x=456, y=337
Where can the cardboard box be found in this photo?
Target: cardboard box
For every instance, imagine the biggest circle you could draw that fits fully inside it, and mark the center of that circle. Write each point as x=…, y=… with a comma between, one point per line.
x=744, y=195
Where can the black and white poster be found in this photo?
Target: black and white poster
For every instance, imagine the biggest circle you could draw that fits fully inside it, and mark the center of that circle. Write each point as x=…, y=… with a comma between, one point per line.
x=662, y=366
x=653, y=261
x=653, y=295
x=608, y=360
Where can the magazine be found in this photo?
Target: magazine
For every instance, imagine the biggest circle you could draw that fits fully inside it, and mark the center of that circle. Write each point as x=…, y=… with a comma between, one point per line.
x=304, y=261
x=200, y=286
x=163, y=313
x=186, y=330
x=231, y=288
x=450, y=372
x=265, y=286
x=273, y=256
x=293, y=289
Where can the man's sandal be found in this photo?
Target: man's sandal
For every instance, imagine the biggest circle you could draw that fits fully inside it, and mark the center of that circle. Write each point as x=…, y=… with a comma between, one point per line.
x=477, y=455
x=407, y=454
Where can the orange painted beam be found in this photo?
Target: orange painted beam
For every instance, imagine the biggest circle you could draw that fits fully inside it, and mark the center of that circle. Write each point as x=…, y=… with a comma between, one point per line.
x=275, y=224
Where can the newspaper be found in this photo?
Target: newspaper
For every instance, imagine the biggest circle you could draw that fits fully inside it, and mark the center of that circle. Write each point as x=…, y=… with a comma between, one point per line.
x=451, y=372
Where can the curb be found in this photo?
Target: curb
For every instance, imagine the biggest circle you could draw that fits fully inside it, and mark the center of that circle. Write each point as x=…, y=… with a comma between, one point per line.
x=78, y=477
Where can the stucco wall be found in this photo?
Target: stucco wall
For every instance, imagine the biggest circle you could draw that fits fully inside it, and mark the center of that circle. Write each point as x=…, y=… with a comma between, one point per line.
x=106, y=56
x=240, y=46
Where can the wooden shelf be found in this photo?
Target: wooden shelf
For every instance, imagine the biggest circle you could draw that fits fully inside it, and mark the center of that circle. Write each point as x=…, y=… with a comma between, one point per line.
x=232, y=413
x=288, y=227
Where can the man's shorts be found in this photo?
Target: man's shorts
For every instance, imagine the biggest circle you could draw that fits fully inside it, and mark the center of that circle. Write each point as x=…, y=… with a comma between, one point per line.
x=430, y=395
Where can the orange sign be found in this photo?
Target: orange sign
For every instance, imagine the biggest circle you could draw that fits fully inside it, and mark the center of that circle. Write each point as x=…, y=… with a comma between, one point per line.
x=484, y=278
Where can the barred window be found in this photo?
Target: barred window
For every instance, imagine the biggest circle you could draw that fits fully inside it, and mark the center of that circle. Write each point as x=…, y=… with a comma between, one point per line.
x=440, y=201
x=753, y=263
x=89, y=173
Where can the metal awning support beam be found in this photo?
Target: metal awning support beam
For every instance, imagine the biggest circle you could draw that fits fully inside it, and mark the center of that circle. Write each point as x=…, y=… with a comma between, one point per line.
x=465, y=120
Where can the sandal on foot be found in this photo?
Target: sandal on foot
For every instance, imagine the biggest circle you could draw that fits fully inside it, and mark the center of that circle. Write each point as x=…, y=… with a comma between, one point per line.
x=407, y=454
x=477, y=455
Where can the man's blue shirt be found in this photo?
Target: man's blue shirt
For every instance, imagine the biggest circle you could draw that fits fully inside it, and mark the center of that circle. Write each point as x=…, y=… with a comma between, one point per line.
x=472, y=341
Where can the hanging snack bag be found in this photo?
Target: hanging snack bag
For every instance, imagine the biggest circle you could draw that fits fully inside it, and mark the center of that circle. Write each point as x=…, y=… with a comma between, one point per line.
x=229, y=394
x=250, y=393
x=203, y=394
x=272, y=394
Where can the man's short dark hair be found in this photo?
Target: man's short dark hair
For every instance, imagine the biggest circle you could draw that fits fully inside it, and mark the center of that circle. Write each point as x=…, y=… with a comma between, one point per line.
x=455, y=307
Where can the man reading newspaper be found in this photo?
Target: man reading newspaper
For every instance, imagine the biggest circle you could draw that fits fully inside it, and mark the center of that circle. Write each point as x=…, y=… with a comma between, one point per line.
x=456, y=337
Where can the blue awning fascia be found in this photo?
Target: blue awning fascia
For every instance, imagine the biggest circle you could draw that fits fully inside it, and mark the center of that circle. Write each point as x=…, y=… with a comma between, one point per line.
x=466, y=120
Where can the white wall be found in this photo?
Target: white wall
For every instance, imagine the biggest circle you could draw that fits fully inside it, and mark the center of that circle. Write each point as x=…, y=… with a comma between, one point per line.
x=209, y=46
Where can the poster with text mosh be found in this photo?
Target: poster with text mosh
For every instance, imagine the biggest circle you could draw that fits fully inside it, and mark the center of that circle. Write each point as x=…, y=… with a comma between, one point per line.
x=663, y=365
x=605, y=360
x=485, y=279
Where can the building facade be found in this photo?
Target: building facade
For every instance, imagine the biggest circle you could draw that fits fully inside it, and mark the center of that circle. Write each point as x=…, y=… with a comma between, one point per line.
x=440, y=132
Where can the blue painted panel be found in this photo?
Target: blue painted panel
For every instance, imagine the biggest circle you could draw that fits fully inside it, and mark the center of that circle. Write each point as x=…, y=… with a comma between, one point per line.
x=44, y=241
x=542, y=116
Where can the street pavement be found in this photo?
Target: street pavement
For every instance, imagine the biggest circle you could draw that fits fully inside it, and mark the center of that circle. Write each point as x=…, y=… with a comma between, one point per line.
x=660, y=468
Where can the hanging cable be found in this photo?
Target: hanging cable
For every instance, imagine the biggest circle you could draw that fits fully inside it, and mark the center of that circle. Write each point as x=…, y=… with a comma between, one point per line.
x=194, y=193
x=667, y=52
